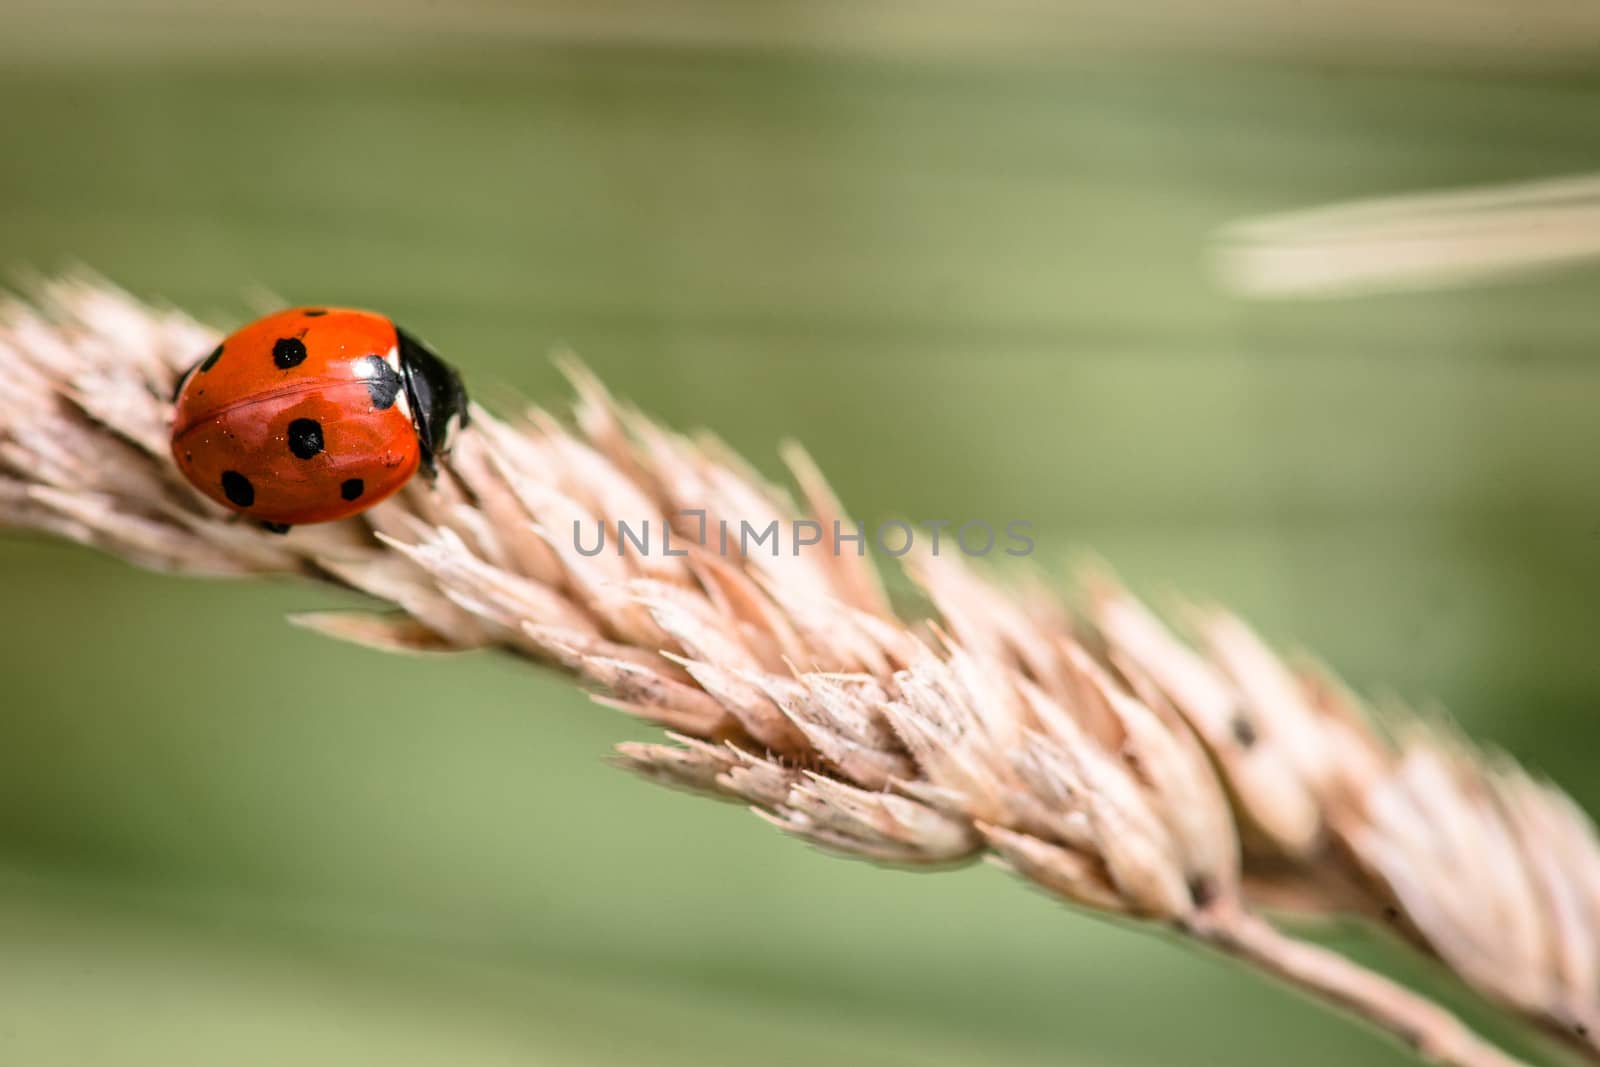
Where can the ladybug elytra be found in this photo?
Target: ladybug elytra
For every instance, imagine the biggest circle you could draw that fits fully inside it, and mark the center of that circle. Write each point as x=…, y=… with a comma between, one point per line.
x=314, y=414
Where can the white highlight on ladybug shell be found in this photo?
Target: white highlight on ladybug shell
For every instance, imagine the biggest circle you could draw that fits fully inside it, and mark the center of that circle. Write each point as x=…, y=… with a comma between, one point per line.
x=391, y=357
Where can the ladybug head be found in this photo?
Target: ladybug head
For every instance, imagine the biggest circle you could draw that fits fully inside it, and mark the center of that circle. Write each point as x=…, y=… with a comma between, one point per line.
x=438, y=400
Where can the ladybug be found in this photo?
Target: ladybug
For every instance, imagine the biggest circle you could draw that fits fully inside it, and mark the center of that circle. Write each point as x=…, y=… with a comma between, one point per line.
x=314, y=414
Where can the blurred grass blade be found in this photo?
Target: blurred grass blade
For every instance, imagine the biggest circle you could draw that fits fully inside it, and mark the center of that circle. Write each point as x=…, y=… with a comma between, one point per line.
x=1419, y=241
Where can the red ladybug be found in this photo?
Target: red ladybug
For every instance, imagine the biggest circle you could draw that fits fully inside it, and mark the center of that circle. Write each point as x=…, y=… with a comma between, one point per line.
x=314, y=414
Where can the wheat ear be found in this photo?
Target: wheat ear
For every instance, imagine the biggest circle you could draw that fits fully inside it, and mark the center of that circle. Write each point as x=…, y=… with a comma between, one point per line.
x=1093, y=754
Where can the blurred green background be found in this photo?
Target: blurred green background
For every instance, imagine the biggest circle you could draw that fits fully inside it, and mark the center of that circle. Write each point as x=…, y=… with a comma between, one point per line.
x=962, y=254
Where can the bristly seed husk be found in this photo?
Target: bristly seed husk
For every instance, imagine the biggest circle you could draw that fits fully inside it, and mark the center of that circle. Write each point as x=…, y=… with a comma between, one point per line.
x=1100, y=758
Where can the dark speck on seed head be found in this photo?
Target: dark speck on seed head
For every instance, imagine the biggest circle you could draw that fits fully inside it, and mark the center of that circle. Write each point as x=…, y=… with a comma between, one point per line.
x=1244, y=731
x=305, y=438
x=352, y=488
x=288, y=352
x=1202, y=891
x=237, y=488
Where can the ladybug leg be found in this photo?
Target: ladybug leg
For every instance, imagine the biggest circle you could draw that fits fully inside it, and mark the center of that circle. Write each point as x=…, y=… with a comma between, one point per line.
x=276, y=527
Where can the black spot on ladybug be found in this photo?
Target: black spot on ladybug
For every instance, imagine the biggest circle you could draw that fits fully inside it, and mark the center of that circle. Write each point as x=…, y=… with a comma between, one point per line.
x=276, y=527
x=314, y=313
x=199, y=366
x=237, y=488
x=305, y=438
x=288, y=352
x=383, y=382
x=352, y=488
